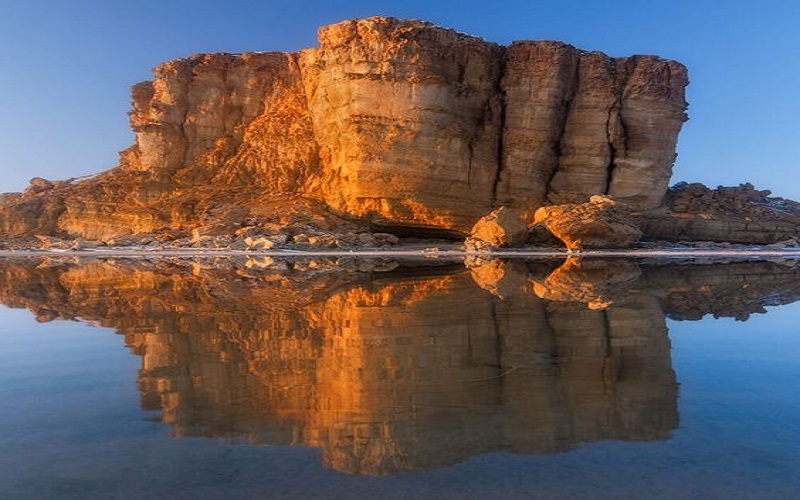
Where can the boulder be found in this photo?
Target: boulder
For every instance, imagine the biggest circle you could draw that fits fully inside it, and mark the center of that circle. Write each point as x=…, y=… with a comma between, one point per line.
x=38, y=184
x=502, y=227
x=599, y=223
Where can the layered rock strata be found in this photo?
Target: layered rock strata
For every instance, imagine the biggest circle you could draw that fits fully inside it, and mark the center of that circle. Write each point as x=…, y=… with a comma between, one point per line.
x=391, y=122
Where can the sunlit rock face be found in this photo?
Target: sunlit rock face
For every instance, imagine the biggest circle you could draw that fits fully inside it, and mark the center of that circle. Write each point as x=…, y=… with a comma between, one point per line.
x=400, y=366
x=395, y=121
x=601, y=222
x=408, y=120
x=581, y=123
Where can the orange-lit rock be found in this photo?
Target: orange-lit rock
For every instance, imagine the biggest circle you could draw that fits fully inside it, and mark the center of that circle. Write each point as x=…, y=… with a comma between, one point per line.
x=502, y=227
x=601, y=222
x=596, y=283
x=392, y=121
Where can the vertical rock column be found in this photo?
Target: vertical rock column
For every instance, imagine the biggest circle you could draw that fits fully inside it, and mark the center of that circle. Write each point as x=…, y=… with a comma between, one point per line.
x=582, y=123
x=650, y=115
x=407, y=116
x=539, y=85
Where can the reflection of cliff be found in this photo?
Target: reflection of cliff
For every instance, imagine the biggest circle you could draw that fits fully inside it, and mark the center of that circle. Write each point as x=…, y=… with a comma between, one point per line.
x=417, y=369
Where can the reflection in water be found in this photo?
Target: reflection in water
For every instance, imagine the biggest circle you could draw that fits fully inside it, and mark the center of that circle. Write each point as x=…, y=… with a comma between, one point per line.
x=391, y=366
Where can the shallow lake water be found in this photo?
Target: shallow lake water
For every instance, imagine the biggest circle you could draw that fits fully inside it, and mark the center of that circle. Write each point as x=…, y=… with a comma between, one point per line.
x=343, y=378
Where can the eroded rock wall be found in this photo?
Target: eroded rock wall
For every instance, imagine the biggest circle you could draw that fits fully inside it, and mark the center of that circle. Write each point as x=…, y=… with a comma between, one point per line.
x=407, y=116
x=395, y=121
x=580, y=123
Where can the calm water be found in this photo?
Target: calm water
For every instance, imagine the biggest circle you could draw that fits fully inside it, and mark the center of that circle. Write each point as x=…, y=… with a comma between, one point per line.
x=426, y=379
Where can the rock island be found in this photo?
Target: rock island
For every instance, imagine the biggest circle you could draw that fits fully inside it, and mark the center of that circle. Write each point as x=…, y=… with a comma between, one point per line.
x=392, y=129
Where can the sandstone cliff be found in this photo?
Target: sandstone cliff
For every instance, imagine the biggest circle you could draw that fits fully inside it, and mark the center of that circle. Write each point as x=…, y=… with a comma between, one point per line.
x=390, y=122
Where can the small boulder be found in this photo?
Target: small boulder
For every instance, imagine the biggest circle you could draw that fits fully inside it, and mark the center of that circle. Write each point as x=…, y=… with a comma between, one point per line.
x=599, y=223
x=502, y=227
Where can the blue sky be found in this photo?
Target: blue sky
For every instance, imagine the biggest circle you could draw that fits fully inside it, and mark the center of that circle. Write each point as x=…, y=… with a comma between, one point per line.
x=67, y=67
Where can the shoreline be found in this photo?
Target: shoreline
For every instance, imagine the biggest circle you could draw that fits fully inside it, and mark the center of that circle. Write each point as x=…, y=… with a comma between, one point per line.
x=429, y=253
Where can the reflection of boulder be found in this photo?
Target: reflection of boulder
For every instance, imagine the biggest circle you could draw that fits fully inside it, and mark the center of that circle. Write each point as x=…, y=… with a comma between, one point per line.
x=502, y=278
x=418, y=369
x=597, y=283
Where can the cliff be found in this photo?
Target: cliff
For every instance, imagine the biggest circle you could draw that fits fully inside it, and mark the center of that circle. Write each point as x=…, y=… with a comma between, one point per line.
x=387, y=123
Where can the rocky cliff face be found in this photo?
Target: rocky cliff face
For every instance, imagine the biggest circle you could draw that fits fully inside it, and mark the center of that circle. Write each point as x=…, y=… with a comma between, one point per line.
x=390, y=122
x=580, y=123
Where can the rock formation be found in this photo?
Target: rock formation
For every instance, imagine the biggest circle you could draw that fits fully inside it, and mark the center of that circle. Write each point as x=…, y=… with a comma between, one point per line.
x=740, y=214
x=501, y=228
x=387, y=122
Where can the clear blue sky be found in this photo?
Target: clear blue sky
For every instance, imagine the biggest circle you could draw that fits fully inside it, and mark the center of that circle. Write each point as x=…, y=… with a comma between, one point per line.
x=66, y=68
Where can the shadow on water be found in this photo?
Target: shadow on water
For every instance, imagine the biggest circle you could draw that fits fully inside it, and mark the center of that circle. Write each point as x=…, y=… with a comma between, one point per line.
x=391, y=366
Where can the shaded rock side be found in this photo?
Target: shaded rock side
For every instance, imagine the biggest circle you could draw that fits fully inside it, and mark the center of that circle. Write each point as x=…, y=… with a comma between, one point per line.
x=599, y=223
x=387, y=120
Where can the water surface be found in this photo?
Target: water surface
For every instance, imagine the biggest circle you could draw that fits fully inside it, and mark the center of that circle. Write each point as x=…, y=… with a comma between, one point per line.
x=342, y=378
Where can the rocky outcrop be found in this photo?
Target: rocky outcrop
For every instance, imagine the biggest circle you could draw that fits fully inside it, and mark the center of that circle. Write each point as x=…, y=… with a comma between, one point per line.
x=391, y=122
x=740, y=214
x=599, y=126
x=599, y=223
